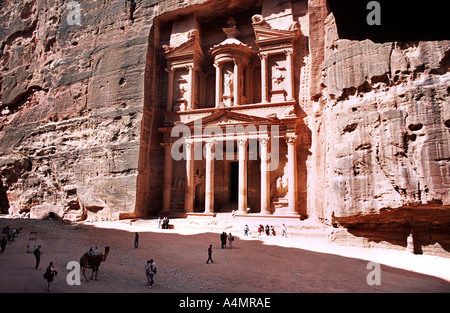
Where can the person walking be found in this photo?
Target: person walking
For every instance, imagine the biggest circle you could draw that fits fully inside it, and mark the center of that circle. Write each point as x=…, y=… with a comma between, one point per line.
x=283, y=231
x=210, y=251
x=49, y=274
x=37, y=254
x=230, y=240
x=152, y=272
x=136, y=240
x=246, y=229
x=147, y=272
x=260, y=229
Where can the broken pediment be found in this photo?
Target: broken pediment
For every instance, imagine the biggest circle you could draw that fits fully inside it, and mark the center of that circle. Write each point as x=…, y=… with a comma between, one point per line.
x=225, y=117
x=189, y=50
x=266, y=35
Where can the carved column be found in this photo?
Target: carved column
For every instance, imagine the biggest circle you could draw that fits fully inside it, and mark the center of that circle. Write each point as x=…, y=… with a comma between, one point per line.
x=167, y=183
x=191, y=94
x=209, y=177
x=292, y=174
x=189, y=184
x=265, y=176
x=264, y=85
x=218, y=83
x=290, y=75
x=170, y=70
x=242, y=197
x=236, y=84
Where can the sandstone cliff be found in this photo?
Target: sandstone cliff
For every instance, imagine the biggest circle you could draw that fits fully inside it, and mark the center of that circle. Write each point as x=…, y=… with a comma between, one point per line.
x=71, y=104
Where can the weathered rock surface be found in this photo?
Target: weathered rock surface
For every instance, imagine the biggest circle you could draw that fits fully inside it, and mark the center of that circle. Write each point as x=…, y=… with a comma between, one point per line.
x=71, y=104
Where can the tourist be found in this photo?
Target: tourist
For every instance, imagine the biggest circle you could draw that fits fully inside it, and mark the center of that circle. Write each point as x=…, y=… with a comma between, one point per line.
x=223, y=239
x=136, y=240
x=152, y=272
x=37, y=254
x=283, y=231
x=210, y=251
x=3, y=243
x=147, y=272
x=260, y=230
x=159, y=222
x=267, y=230
x=272, y=230
x=49, y=274
x=246, y=229
x=230, y=240
x=165, y=223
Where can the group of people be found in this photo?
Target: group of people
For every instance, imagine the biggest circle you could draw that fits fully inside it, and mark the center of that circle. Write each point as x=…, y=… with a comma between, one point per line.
x=223, y=239
x=50, y=272
x=8, y=235
x=268, y=230
x=164, y=223
x=150, y=267
x=150, y=271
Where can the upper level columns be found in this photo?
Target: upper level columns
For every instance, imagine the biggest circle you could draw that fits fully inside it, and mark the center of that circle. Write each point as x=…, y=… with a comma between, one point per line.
x=218, y=84
x=289, y=75
x=264, y=81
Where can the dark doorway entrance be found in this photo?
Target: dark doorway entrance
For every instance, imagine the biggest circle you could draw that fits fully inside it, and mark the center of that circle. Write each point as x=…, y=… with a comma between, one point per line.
x=234, y=182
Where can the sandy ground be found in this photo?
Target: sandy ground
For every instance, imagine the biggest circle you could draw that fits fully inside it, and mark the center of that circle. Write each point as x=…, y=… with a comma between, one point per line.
x=273, y=264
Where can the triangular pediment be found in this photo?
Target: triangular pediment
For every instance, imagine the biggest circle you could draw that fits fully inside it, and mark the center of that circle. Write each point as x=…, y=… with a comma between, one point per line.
x=189, y=48
x=265, y=32
x=225, y=117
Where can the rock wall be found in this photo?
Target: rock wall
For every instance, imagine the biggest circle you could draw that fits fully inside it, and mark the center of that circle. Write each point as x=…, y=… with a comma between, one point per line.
x=381, y=144
x=71, y=104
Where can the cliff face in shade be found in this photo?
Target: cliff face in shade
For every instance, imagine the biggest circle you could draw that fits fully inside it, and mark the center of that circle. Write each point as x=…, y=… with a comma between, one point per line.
x=80, y=107
x=71, y=104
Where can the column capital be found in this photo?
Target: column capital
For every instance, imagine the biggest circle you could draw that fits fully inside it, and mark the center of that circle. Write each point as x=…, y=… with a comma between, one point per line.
x=264, y=141
x=166, y=145
x=242, y=142
x=288, y=52
x=210, y=143
x=263, y=55
x=291, y=139
x=188, y=143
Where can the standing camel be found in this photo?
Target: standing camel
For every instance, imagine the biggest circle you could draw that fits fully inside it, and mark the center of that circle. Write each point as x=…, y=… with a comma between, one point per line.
x=92, y=259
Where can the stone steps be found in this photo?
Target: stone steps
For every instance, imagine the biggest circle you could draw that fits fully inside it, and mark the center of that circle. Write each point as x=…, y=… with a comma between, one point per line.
x=224, y=222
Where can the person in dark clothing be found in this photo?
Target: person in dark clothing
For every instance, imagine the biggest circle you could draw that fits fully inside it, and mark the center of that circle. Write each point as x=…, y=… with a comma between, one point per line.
x=3, y=243
x=136, y=240
x=49, y=274
x=37, y=254
x=223, y=239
